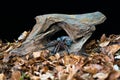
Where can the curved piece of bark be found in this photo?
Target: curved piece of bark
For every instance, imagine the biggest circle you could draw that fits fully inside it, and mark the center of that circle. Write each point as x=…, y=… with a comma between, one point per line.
x=79, y=28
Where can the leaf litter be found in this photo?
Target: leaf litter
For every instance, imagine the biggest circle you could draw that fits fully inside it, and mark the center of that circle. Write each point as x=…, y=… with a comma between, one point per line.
x=103, y=62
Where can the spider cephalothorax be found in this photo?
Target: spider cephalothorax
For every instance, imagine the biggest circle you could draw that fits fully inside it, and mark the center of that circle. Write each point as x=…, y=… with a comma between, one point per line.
x=63, y=42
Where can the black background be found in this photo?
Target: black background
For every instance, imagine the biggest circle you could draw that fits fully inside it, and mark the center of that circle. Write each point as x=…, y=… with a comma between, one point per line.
x=18, y=16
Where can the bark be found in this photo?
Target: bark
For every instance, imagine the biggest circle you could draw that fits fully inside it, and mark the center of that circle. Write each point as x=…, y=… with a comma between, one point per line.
x=79, y=27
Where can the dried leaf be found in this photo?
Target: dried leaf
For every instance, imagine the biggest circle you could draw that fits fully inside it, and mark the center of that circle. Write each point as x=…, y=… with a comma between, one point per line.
x=112, y=49
x=16, y=75
x=27, y=57
x=103, y=44
x=117, y=38
x=114, y=75
x=2, y=76
x=59, y=68
x=92, y=68
x=81, y=63
x=44, y=69
x=36, y=54
x=10, y=48
x=72, y=71
x=45, y=53
x=90, y=46
x=66, y=60
x=101, y=76
x=103, y=38
x=4, y=47
x=85, y=76
x=62, y=75
x=71, y=59
x=6, y=58
x=35, y=78
x=57, y=55
x=46, y=76
x=21, y=61
x=42, y=53
x=52, y=58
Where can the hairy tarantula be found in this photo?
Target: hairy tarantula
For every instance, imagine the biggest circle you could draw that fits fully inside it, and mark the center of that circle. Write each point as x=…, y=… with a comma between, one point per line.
x=63, y=42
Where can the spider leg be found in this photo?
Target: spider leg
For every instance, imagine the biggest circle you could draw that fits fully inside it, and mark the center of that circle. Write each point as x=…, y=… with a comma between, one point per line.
x=56, y=48
x=66, y=48
x=51, y=44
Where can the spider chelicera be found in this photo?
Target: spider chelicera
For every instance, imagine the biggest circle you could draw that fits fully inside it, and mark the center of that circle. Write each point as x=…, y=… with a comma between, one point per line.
x=63, y=42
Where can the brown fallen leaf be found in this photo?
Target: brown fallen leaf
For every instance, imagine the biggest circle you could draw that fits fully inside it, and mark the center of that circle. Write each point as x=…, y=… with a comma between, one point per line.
x=15, y=75
x=52, y=58
x=44, y=69
x=114, y=75
x=101, y=76
x=103, y=44
x=91, y=46
x=10, y=48
x=57, y=55
x=42, y=53
x=92, y=68
x=36, y=54
x=6, y=57
x=85, y=76
x=97, y=58
x=4, y=47
x=21, y=61
x=81, y=63
x=2, y=76
x=112, y=37
x=47, y=76
x=62, y=75
x=103, y=38
x=59, y=68
x=110, y=50
x=72, y=59
x=35, y=78
x=72, y=70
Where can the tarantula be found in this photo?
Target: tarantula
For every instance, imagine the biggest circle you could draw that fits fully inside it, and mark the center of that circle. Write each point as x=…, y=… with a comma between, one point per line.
x=63, y=42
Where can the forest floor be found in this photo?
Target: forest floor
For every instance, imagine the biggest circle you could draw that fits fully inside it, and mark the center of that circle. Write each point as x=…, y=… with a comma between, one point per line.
x=103, y=62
